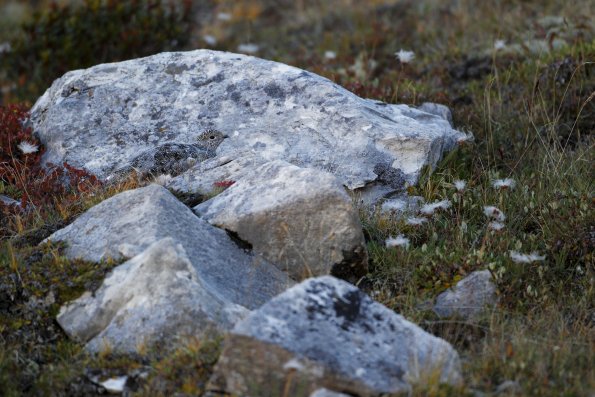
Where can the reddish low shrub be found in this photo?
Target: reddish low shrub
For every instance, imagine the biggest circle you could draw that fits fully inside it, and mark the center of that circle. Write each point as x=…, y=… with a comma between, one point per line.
x=21, y=173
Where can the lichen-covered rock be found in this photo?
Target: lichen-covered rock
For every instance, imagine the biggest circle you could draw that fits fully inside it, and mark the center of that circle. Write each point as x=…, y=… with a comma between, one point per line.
x=469, y=297
x=325, y=332
x=437, y=110
x=300, y=219
x=103, y=118
x=153, y=298
x=125, y=225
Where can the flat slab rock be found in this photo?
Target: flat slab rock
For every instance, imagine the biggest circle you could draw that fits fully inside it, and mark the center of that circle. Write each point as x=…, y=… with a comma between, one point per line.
x=326, y=333
x=107, y=117
x=149, y=300
x=126, y=224
x=300, y=219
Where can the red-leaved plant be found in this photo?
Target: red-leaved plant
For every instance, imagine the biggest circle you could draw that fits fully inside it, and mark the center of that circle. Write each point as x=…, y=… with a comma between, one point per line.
x=21, y=173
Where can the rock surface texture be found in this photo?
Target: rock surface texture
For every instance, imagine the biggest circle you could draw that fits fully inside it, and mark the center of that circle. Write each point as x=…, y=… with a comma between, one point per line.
x=151, y=299
x=326, y=333
x=113, y=116
x=300, y=219
x=469, y=297
x=127, y=224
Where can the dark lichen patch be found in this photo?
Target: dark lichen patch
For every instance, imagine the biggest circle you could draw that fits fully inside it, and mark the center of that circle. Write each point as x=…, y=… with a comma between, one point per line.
x=274, y=91
x=390, y=176
x=348, y=307
x=175, y=69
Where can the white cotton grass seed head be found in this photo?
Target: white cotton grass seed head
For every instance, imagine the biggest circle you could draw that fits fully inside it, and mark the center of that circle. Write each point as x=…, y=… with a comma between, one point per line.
x=27, y=147
x=330, y=54
x=416, y=221
x=399, y=241
x=405, y=56
x=429, y=209
x=460, y=185
x=249, y=48
x=517, y=257
x=496, y=226
x=493, y=212
x=499, y=44
x=210, y=39
x=507, y=183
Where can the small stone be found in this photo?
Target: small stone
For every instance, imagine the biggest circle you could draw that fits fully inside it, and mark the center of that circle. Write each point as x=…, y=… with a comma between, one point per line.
x=115, y=385
x=327, y=393
x=469, y=297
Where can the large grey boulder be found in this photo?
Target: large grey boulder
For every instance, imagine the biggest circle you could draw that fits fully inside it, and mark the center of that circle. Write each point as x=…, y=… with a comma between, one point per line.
x=326, y=333
x=469, y=297
x=300, y=219
x=154, y=297
x=106, y=117
x=125, y=225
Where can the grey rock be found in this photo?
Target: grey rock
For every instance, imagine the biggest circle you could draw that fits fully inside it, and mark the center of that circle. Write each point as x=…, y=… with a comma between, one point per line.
x=330, y=334
x=469, y=297
x=104, y=117
x=126, y=224
x=300, y=219
x=8, y=201
x=153, y=298
x=327, y=393
x=437, y=110
x=510, y=387
x=202, y=179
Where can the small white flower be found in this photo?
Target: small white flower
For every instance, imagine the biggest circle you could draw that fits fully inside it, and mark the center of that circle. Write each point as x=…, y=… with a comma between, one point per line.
x=399, y=241
x=248, y=48
x=330, y=54
x=210, y=39
x=224, y=16
x=429, y=209
x=499, y=44
x=163, y=179
x=27, y=148
x=517, y=257
x=496, y=226
x=460, y=185
x=495, y=213
x=405, y=56
x=416, y=221
x=5, y=47
x=507, y=183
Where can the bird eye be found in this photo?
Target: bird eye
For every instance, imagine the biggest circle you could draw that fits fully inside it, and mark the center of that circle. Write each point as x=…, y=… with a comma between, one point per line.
x=212, y=137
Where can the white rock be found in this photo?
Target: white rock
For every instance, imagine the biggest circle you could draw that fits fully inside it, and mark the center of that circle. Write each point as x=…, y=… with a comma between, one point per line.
x=115, y=385
x=104, y=117
x=342, y=339
x=130, y=222
x=151, y=299
x=302, y=220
